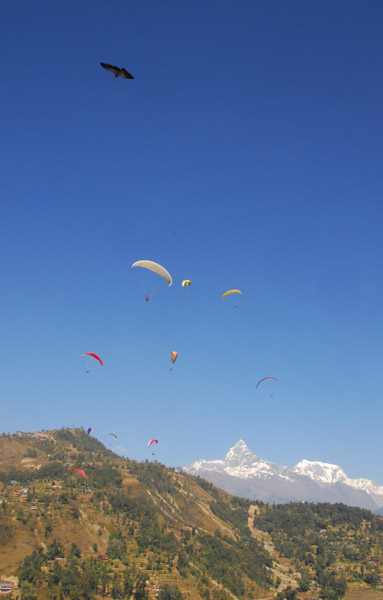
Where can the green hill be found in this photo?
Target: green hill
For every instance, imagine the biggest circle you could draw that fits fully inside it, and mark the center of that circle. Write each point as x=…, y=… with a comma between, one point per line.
x=145, y=531
x=333, y=544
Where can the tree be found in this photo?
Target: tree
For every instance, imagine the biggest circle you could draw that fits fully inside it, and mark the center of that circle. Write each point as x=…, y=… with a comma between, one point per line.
x=309, y=559
x=372, y=578
x=75, y=551
x=70, y=583
x=127, y=587
x=54, y=550
x=29, y=570
x=170, y=592
x=116, y=591
x=89, y=583
x=287, y=594
x=183, y=563
x=304, y=583
x=333, y=587
x=140, y=591
x=104, y=578
x=28, y=591
x=116, y=548
x=54, y=577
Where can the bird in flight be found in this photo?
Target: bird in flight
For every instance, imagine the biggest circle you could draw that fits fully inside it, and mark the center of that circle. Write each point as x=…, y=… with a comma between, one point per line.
x=117, y=71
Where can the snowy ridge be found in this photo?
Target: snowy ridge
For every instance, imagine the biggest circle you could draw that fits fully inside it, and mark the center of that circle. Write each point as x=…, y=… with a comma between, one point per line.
x=244, y=473
x=328, y=473
x=319, y=471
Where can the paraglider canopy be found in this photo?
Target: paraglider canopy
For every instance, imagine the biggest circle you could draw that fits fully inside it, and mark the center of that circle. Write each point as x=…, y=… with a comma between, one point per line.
x=113, y=434
x=231, y=292
x=173, y=356
x=151, y=442
x=80, y=471
x=266, y=379
x=90, y=429
x=94, y=356
x=156, y=268
x=186, y=282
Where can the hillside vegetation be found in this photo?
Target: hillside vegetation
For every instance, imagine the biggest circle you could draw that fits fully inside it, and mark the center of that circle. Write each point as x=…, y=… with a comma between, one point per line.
x=143, y=531
x=127, y=528
x=333, y=544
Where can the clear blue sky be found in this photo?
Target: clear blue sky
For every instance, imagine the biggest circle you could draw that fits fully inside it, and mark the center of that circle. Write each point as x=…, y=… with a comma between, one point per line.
x=246, y=153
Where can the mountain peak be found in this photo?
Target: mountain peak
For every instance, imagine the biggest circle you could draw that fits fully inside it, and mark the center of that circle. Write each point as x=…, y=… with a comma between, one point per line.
x=240, y=445
x=240, y=455
x=320, y=471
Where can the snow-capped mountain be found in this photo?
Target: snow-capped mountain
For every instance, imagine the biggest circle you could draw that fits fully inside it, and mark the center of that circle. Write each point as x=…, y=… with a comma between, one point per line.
x=243, y=473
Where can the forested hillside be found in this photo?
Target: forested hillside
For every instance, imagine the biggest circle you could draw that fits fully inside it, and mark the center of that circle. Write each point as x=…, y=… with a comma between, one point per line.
x=125, y=528
x=79, y=522
x=333, y=544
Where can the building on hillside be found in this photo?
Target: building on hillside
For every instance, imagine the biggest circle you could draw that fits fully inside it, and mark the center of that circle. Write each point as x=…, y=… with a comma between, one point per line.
x=42, y=436
x=22, y=492
x=5, y=588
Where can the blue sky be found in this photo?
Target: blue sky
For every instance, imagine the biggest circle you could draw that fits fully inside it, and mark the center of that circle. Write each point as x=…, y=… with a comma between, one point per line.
x=247, y=154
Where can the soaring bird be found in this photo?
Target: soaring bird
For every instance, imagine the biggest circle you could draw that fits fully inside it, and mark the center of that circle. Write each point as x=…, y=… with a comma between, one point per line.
x=117, y=71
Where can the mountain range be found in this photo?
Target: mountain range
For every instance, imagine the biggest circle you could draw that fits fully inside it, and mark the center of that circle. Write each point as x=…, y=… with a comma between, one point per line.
x=79, y=521
x=245, y=474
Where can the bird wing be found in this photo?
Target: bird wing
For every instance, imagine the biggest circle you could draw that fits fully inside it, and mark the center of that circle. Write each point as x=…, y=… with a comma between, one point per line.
x=110, y=68
x=125, y=74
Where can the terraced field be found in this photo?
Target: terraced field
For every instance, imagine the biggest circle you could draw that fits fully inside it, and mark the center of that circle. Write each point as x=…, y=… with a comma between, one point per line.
x=360, y=594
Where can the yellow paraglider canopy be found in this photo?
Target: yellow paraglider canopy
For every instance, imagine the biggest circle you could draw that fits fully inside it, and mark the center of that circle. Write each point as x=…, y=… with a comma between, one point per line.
x=231, y=292
x=186, y=282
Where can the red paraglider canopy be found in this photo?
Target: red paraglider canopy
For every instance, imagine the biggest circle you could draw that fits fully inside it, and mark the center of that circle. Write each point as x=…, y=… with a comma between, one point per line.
x=94, y=356
x=80, y=471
